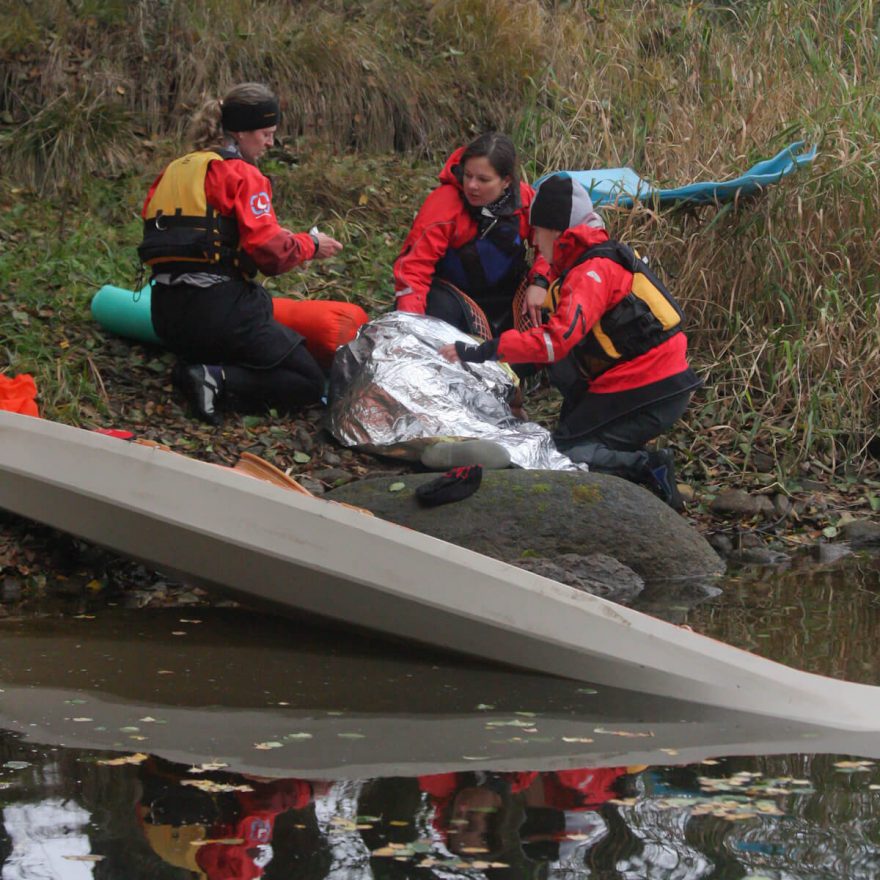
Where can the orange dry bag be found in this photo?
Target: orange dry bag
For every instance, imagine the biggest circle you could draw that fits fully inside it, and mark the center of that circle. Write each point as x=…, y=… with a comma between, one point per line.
x=325, y=324
x=18, y=394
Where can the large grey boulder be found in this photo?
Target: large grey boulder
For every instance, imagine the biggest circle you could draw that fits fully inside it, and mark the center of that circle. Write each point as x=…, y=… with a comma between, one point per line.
x=520, y=513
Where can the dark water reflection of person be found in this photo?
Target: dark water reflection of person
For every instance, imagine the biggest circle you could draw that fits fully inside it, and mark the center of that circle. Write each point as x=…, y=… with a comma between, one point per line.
x=220, y=834
x=507, y=825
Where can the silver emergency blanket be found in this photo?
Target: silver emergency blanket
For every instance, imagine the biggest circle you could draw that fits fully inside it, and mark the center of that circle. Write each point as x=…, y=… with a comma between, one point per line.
x=392, y=393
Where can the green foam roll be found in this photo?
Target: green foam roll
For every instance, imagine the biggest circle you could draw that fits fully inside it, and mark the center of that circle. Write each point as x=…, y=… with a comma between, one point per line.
x=125, y=312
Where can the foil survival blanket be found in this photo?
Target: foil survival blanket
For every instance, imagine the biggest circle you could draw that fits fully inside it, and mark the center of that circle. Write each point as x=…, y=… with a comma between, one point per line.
x=391, y=393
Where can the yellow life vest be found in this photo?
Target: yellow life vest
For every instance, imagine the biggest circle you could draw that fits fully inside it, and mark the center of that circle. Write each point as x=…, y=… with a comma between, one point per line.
x=646, y=317
x=182, y=232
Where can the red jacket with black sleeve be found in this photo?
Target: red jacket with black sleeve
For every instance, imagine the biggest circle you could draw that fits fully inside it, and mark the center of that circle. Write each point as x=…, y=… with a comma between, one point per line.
x=589, y=290
x=235, y=188
x=444, y=223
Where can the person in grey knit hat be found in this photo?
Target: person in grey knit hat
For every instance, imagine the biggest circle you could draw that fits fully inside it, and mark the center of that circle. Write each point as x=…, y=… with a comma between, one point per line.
x=613, y=342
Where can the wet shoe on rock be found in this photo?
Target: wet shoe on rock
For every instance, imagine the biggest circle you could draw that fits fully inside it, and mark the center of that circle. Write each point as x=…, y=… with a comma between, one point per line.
x=662, y=478
x=202, y=385
x=459, y=453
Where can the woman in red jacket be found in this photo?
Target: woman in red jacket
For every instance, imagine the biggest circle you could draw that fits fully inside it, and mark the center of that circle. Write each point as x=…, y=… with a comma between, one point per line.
x=209, y=226
x=616, y=337
x=471, y=235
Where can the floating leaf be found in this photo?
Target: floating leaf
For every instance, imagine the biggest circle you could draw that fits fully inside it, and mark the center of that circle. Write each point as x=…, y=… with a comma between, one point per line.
x=854, y=766
x=211, y=786
x=577, y=739
x=211, y=765
x=125, y=759
x=301, y=735
x=351, y=735
x=267, y=745
x=624, y=733
x=397, y=487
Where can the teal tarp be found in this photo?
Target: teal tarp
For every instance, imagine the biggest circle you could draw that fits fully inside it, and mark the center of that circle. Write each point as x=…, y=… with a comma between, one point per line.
x=623, y=186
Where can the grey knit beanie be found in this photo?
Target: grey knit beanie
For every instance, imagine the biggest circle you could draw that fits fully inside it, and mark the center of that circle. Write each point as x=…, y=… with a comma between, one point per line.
x=560, y=202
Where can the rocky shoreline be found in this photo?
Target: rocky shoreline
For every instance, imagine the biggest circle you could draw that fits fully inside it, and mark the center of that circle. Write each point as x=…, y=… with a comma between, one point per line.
x=748, y=519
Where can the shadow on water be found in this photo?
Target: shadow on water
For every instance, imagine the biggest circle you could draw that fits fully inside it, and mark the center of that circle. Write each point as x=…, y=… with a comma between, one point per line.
x=216, y=743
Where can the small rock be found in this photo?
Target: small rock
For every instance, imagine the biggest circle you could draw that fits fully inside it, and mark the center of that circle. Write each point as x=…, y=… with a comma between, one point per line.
x=333, y=476
x=331, y=458
x=764, y=463
x=720, y=542
x=749, y=540
x=316, y=487
x=757, y=556
x=783, y=505
x=736, y=502
x=860, y=532
x=304, y=440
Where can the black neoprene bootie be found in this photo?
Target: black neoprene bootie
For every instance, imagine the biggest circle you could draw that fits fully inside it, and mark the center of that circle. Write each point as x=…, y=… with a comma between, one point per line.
x=202, y=385
x=662, y=480
x=454, y=485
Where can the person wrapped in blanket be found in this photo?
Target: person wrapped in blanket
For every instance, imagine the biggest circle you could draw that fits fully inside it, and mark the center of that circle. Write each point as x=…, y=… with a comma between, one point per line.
x=614, y=340
x=471, y=237
x=209, y=226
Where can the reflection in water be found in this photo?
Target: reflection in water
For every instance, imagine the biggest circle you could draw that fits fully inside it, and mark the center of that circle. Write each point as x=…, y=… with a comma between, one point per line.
x=228, y=746
x=48, y=839
x=730, y=818
x=822, y=618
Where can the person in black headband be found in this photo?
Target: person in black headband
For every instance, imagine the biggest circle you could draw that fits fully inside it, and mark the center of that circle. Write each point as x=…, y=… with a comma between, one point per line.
x=209, y=227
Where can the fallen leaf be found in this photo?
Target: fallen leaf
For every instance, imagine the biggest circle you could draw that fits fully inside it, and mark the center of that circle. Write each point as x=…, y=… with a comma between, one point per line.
x=624, y=733
x=204, y=768
x=136, y=758
x=211, y=786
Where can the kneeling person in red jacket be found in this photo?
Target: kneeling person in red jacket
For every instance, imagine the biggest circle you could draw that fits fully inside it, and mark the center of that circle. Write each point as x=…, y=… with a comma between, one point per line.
x=614, y=341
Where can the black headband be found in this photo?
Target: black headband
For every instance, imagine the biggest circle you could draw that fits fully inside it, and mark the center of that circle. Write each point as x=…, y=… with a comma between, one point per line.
x=250, y=117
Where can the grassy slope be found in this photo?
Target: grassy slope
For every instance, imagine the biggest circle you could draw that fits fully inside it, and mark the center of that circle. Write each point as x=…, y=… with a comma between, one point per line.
x=781, y=292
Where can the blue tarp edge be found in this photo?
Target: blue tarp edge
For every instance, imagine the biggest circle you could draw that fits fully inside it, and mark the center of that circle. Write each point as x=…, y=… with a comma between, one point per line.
x=622, y=186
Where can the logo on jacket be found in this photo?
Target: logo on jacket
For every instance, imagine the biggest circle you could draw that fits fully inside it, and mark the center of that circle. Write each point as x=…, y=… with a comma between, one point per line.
x=261, y=204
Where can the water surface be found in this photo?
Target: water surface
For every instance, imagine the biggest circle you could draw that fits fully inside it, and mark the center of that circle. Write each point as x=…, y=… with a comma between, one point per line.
x=220, y=743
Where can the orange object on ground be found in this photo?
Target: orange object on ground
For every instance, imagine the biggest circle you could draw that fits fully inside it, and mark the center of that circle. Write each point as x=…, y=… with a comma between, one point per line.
x=326, y=324
x=18, y=394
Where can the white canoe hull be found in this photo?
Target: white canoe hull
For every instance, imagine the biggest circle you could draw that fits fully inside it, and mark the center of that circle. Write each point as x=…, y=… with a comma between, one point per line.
x=221, y=528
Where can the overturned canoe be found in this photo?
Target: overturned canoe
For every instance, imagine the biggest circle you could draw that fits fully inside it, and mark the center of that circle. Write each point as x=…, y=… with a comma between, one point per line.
x=222, y=528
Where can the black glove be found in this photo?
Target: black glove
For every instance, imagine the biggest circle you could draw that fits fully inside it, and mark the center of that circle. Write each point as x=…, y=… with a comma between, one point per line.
x=477, y=354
